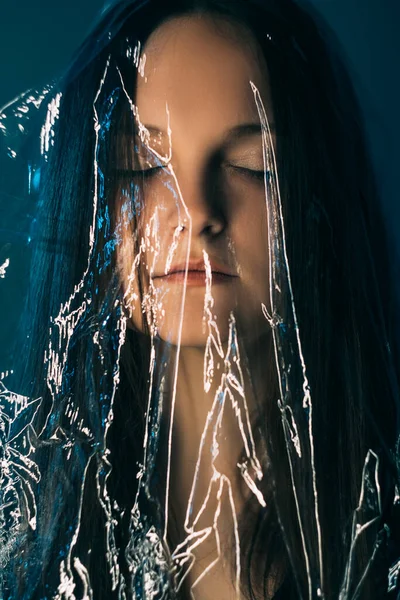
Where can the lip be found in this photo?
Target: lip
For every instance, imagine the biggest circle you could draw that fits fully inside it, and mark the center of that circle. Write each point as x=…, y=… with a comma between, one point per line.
x=196, y=273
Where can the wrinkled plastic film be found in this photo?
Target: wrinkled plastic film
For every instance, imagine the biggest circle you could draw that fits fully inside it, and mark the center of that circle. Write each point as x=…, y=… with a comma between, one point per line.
x=128, y=252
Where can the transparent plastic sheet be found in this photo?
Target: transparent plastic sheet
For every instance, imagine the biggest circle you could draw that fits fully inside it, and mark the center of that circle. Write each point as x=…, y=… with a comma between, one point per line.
x=53, y=444
x=20, y=176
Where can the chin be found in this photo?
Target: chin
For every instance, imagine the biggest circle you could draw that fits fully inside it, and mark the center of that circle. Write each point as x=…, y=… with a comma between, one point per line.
x=193, y=333
x=193, y=328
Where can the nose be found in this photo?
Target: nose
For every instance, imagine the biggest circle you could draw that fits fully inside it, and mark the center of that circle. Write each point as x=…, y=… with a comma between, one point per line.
x=197, y=204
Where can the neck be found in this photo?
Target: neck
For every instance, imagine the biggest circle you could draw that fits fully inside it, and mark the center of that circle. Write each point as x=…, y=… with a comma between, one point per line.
x=214, y=414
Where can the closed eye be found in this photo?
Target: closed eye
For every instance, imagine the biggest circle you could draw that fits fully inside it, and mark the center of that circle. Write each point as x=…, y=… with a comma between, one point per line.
x=259, y=175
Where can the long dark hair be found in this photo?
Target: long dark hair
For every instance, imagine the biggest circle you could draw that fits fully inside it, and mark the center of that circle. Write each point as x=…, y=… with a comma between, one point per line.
x=343, y=282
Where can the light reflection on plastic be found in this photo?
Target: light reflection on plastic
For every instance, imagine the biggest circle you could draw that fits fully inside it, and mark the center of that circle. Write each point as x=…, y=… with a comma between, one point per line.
x=148, y=554
x=3, y=268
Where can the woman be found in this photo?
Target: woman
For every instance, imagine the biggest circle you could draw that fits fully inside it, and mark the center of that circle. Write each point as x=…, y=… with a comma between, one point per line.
x=212, y=352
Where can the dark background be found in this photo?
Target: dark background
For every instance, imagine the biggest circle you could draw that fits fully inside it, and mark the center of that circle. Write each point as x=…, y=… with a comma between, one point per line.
x=38, y=37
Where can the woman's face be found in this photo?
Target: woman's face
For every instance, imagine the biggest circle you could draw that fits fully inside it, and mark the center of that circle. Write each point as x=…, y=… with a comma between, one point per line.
x=201, y=171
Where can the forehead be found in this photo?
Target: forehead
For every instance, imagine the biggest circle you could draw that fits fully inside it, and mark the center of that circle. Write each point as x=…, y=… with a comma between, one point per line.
x=201, y=68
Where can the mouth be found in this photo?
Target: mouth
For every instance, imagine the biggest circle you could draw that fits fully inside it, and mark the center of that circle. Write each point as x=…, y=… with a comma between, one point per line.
x=196, y=274
x=195, y=278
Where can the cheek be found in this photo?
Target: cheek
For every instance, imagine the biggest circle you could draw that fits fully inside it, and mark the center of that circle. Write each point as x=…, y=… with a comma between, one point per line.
x=130, y=285
x=249, y=228
x=249, y=234
x=130, y=260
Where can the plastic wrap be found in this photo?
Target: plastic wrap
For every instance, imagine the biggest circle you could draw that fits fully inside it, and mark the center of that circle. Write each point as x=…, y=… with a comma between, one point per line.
x=198, y=393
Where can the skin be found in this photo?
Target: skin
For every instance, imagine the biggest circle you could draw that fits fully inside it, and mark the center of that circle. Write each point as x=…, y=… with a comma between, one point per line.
x=209, y=197
x=206, y=198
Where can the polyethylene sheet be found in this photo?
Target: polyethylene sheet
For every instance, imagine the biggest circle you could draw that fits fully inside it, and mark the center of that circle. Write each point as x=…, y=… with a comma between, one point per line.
x=114, y=295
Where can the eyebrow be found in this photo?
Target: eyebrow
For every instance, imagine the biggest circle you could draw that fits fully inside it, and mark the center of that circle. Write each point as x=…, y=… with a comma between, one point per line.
x=233, y=134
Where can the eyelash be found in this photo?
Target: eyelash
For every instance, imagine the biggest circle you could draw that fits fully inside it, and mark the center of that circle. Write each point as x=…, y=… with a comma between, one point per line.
x=253, y=173
x=147, y=173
